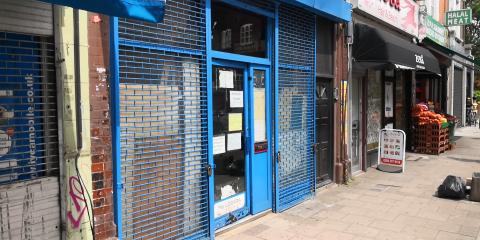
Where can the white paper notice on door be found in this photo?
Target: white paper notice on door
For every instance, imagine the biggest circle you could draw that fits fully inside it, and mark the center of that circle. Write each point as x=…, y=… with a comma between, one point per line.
x=226, y=79
x=229, y=205
x=388, y=99
x=234, y=141
x=236, y=99
x=218, y=144
x=260, y=131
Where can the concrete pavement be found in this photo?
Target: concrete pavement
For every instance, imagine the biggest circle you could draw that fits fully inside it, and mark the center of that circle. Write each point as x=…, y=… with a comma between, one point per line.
x=378, y=205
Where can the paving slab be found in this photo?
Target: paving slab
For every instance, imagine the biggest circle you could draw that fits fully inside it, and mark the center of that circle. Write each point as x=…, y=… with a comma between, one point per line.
x=378, y=205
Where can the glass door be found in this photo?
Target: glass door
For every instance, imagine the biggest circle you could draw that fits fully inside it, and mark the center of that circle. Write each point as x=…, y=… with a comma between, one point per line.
x=230, y=135
x=241, y=146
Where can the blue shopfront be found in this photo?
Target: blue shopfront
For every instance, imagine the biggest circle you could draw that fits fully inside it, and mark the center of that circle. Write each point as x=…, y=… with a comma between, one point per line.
x=215, y=117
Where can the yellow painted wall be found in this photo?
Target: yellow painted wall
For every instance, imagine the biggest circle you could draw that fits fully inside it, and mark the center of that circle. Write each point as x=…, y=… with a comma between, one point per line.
x=75, y=216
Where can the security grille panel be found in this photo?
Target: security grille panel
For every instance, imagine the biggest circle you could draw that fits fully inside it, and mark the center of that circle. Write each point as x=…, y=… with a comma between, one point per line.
x=28, y=108
x=29, y=183
x=26, y=16
x=163, y=124
x=296, y=169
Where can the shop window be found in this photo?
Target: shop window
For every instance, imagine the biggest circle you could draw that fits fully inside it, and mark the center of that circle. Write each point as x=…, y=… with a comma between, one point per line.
x=226, y=39
x=246, y=34
x=374, y=108
x=325, y=47
x=238, y=31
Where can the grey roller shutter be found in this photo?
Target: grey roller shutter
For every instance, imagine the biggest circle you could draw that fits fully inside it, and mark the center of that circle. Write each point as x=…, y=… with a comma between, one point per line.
x=26, y=16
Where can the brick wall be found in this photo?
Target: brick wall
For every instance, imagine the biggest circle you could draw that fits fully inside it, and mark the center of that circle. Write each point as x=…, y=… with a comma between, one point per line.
x=341, y=72
x=101, y=137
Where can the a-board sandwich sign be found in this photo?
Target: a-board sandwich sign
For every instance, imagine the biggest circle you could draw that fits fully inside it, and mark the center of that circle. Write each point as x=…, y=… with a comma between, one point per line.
x=391, y=156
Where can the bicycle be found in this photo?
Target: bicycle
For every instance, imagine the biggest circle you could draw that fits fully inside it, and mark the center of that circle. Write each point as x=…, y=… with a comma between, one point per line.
x=471, y=119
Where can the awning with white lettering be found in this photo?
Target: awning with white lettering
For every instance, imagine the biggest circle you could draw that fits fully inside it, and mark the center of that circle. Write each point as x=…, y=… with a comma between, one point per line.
x=147, y=10
x=375, y=46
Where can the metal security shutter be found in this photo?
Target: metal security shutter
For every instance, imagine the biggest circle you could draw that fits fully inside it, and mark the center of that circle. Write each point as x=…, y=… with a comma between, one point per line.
x=458, y=94
x=29, y=187
x=26, y=16
x=296, y=71
x=163, y=124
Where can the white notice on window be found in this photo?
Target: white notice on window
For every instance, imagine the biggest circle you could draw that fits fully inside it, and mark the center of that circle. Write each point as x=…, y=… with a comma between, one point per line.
x=219, y=144
x=226, y=79
x=234, y=141
x=260, y=131
x=236, y=99
x=229, y=205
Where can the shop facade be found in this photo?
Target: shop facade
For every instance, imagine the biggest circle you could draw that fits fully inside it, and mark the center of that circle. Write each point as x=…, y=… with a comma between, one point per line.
x=455, y=60
x=386, y=65
x=49, y=57
x=220, y=111
x=224, y=112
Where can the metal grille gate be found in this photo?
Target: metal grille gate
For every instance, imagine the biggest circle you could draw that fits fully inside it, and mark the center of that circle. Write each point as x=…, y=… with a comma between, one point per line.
x=296, y=72
x=28, y=138
x=28, y=108
x=163, y=124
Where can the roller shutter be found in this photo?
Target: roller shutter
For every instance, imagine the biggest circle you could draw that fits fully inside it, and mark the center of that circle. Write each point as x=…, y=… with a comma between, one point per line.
x=26, y=16
x=29, y=176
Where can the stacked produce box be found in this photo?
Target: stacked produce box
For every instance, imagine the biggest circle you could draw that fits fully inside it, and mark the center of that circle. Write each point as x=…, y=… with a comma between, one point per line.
x=430, y=135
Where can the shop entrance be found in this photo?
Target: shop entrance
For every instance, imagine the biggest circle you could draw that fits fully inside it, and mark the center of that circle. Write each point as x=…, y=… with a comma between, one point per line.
x=357, y=116
x=242, y=167
x=323, y=129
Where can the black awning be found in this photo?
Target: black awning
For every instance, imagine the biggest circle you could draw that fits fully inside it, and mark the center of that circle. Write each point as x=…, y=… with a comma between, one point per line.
x=377, y=46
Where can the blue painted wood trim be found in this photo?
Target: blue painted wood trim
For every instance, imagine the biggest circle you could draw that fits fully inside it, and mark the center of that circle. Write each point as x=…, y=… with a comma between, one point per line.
x=115, y=109
x=238, y=57
x=248, y=7
x=335, y=10
x=211, y=184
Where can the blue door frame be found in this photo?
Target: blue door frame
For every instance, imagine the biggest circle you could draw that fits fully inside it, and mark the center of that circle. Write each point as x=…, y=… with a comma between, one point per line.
x=242, y=212
x=248, y=64
x=261, y=161
x=258, y=197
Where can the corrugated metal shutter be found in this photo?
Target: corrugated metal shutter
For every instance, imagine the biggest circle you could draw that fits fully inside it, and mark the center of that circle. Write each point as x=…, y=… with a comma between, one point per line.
x=26, y=16
x=163, y=124
x=458, y=94
x=29, y=187
x=296, y=72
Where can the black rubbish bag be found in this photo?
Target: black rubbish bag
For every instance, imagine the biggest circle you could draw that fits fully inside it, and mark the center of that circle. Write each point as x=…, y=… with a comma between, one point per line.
x=452, y=187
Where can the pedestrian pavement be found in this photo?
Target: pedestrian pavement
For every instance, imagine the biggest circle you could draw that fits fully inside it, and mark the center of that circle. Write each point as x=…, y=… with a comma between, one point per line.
x=379, y=205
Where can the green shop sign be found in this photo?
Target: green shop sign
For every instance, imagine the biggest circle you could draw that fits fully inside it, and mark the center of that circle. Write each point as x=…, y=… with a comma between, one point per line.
x=458, y=17
x=435, y=31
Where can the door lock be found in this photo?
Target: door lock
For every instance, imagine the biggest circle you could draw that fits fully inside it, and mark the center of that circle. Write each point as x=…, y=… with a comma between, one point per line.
x=209, y=169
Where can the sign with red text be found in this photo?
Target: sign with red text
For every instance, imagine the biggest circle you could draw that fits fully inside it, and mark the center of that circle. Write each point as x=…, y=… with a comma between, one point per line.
x=391, y=155
x=402, y=14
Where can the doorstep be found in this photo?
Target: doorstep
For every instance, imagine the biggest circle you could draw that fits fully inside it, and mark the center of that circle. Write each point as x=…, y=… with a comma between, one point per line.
x=242, y=221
